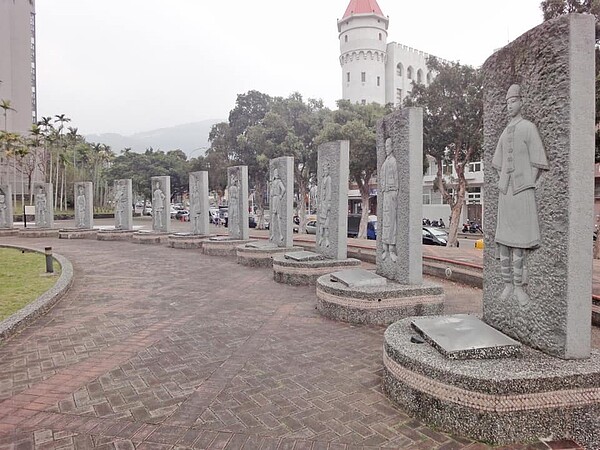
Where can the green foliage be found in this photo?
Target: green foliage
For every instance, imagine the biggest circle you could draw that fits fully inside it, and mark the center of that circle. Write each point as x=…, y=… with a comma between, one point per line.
x=22, y=279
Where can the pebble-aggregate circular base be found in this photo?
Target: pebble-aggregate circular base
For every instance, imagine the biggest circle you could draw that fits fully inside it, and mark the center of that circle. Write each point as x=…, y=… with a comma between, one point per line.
x=186, y=240
x=260, y=257
x=149, y=237
x=115, y=235
x=306, y=273
x=226, y=247
x=38, y=232
x=77, y=233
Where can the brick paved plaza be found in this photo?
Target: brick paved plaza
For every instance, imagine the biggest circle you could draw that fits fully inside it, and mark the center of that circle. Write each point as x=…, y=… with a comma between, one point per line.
x=156, y=348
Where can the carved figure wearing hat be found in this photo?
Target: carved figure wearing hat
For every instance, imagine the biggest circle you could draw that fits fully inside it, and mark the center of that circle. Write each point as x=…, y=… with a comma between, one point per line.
x=519, y=157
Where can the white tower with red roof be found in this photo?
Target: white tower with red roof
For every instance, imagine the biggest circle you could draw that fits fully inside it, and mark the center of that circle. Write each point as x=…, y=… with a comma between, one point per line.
x=363, y=42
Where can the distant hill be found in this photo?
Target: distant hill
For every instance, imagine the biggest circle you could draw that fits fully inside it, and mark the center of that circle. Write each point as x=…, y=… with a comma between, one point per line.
x=187, y=137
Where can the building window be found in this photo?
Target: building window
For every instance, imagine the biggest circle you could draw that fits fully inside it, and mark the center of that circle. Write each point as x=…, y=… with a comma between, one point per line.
x=398, y=95
x=427, y=199
x=363, y=76
x=378, y=81
x=475, y=166
x=409, y=73
x=474, y=196
x=348, y=77
x=448, y=168
x=380, y=37
x=419, y=76
x=399, y=70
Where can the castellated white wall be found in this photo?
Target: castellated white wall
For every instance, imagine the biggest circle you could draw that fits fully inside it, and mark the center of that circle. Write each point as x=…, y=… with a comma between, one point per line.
x=363, y=41
x=404, y=65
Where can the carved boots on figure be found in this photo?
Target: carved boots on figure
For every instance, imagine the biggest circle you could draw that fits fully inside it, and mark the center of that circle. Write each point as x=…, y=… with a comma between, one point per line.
x=513, y=279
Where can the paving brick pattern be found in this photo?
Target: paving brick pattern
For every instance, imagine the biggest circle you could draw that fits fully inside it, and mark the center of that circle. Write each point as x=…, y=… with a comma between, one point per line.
x=159, y=348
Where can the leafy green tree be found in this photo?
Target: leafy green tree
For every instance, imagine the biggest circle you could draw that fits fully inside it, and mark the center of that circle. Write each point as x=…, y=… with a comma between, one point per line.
x=452, y=127
x=357, y=124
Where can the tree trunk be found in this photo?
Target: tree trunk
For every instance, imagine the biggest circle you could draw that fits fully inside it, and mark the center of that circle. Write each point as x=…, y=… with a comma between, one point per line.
x=302, y=193
x=259, y=190
x=457, y=206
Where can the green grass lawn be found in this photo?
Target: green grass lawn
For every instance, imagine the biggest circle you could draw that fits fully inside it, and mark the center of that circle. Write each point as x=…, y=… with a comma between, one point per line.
x=22, y=279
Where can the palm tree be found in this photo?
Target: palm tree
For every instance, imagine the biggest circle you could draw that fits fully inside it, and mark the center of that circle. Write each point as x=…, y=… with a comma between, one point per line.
x=5, y=105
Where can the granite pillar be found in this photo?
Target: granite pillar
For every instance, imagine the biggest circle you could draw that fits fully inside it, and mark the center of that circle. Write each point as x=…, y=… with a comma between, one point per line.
x=237, y=212
x=281, y=201
x=123, y=200
x=6, y=207
x=44, y=205
x=84, y=205
x=539, y=291
x=199, y=203
x=161, y=204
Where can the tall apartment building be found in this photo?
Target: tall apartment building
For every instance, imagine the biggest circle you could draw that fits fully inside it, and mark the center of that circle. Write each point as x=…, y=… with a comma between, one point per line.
x=375, y=70
x=17, y=79
x=17, y=63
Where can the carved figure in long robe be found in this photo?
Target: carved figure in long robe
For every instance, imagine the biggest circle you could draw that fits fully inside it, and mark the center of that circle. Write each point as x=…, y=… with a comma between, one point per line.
x=389, y=192
x=158, y=206
x=519, y=157
x=233, y=213
x=324, y=207
x=277, y=193
x=81, y=204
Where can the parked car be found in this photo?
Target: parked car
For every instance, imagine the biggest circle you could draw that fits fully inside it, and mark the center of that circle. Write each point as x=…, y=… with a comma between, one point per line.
x=435, y=236
x=183, y=214
x=148, y=211
x=354, y=224
x=311, y=227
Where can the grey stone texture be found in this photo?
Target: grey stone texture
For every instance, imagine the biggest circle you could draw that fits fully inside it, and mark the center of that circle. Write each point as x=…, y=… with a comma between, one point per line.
x=186, y=240
x=260, y=253
x=307, y=271
x=333, y=171
x=77, y=233
x=161, y=204
x=237, y=212
x=199, y=205
x=404, y=206
x=149, y=237
x=222, y=246
x=115, y=235
x=84, y=204
x=377, y=305
x=554, y=65
x=464, y=336
x=123, y=199
x=500, y=401
x=281, y=197
x=6, y=207
x=358, y=278
x=44, y=205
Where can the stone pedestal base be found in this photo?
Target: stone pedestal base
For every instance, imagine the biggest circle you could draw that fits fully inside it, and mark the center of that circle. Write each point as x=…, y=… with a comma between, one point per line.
x=77, y=233
x=8, y=232
x=500, y=401
x=306, y=273
x=115, y=235
x=380, y=305
x=262, y=255
x=149, y=237
x=38, y=232
x=223, y=246
x=186, y=240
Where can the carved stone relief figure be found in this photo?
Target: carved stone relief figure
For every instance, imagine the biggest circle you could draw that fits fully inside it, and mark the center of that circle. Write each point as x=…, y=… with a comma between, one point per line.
x=158, y=206
x=196, y=206
x=324, y=207
x=233, y=213
x=119, y=205
x=519, y=157
x=277, y=193
x=389, y=192
x=40, y=207
x=3, y=210
x=81, y=204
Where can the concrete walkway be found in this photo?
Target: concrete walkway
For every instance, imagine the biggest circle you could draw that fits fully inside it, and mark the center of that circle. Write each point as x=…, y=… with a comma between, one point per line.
x=156, y=348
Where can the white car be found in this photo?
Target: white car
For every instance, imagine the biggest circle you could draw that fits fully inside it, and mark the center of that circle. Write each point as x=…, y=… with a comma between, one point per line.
x=311, y=227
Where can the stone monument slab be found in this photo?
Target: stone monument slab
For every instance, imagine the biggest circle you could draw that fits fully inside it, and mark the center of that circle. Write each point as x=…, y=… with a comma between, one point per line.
x=539, y=189
x=332, y=211
x=400, y=192
x=123, y=199
x=303, y=256
x=199, y=204
x=261, y=245
x=281, y=201
x=44, y=205
x=354, y=278
x=161, y=204
x=84, y=204
x=463, y=336
x=237, y=212
x=6, y=208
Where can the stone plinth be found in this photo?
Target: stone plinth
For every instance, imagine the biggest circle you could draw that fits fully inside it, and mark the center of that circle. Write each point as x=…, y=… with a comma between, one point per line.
x=149, y=237
x=8, y=232
x=186, y=240
x=307, y=271
x=77, y=233
x=38, y=232
x=382, y=304
x=500, y=401
x=222, y=246
x=260, y=254
x=115, y=235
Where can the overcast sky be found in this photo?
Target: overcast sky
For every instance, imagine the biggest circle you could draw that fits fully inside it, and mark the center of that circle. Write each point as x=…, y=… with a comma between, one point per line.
x=126, y=66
